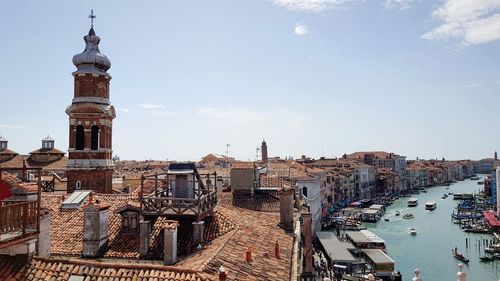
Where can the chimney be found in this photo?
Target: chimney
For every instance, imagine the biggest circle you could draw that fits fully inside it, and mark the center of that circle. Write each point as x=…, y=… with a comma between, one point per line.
x=95, y=229
x=277, y=250
x=43, y=243
x=286, y=207
x=222, y=274
x=170, y=243
x=198, y=228
x=144, y=237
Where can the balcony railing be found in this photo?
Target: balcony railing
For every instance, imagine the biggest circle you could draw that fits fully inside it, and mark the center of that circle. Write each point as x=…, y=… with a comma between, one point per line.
x=18, y=220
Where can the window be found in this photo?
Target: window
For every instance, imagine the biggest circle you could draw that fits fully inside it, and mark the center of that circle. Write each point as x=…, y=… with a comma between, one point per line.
x=94, y=140
x=78, y=185
x=130, y=222
x=80, y=138
x=304, y=191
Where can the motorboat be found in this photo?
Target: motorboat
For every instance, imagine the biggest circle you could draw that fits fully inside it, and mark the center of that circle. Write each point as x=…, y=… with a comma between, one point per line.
x=430, y=205
x=444, y=196
x=397, y=213
x=386, y=218
x=457, y=196
x=412, y=202
x=474, y=178
x=408, y=216
x=412, y=231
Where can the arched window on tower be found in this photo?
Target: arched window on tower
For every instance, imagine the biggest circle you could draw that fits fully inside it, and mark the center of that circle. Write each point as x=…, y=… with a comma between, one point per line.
x=80, y=138
x=94, y=141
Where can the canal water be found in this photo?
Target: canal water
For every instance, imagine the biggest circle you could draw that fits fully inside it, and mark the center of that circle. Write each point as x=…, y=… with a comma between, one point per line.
x=437, y=235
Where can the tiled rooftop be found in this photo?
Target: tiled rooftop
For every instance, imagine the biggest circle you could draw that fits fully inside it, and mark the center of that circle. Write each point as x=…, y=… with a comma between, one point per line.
x=63, y=269
x=257, y=203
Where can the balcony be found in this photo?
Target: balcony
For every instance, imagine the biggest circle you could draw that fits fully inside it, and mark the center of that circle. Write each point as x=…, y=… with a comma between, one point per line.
x=180, y=193
x=18, y=222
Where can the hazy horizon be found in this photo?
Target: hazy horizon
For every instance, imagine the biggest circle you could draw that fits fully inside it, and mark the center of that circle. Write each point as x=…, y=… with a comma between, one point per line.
x=313, y=77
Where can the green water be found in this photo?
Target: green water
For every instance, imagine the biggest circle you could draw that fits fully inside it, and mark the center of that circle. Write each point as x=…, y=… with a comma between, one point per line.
x=430, y=249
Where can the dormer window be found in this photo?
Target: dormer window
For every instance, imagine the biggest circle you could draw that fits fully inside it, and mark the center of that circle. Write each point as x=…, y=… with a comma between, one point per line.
x=130, y=222
x=130, y=218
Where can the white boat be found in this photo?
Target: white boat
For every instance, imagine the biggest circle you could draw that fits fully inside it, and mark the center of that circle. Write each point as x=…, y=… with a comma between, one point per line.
x=386, y=218
x=430, y=205
x=412, y=231
x=412, y=202
x=397, y=213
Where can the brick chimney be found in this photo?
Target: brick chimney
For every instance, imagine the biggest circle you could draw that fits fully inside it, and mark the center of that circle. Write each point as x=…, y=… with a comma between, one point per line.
x=95, y=229
x=170, y=243
x=286, y=207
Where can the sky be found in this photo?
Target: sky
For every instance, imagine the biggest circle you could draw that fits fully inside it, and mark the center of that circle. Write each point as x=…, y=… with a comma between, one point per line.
x=420, y=78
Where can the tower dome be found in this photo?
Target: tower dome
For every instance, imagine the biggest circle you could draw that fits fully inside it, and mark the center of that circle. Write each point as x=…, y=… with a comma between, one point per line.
x=91, y=60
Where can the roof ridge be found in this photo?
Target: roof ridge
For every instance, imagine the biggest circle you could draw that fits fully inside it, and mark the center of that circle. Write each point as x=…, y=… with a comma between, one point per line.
x=117, y=265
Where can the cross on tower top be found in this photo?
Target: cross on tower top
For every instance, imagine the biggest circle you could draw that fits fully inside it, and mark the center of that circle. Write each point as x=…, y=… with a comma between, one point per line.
x=92, y=17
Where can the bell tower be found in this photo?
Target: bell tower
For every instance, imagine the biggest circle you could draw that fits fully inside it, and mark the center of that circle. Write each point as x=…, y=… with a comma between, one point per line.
x=91, y=115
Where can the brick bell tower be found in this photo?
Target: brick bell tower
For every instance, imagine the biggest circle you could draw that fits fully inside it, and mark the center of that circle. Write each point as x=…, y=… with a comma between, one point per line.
x=90, y=165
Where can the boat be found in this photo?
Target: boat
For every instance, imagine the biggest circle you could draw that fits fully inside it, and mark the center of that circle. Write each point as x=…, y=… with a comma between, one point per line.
x=397, y=213
x=475, y=178
x=486, y=258
x=480, y=182
x=408, y=216
x=450, y=193
x=457, y=196
x=386, y=218
x=412, y=202
x=430, y=205
x=424, y=191
x=459, y=256
x=412, y=231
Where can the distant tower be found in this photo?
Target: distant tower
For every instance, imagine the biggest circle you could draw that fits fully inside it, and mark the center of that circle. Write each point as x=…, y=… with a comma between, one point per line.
x=90, y=164
x=496, y=156
x=263, y=150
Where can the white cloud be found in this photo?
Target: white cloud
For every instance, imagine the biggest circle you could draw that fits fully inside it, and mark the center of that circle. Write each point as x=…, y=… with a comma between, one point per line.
x=317, y=6
x=402, y=4
x=301, y=29
x=152, y=106
x=471, y=21
x=11, y=126
x=122, y=109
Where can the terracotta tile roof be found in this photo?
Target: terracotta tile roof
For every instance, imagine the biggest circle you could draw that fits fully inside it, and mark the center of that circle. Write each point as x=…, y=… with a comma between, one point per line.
x=9, y=268
x=67, y=237
x=242, y=165
x=268, y=181
x=376, y=154
x=259, y=231
x=257, y=203
x=63, y=269
x=17, y=162
x=47, y=151
x=8, y=152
